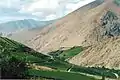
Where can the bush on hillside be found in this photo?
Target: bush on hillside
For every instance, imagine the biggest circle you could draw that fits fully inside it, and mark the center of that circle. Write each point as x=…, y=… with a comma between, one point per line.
x=12, y=68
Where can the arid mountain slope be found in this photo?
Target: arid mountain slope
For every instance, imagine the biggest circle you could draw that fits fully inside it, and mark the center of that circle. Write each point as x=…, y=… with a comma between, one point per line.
x=25, y=35
x=104, y=42
x=105, y=54
x=69, y=31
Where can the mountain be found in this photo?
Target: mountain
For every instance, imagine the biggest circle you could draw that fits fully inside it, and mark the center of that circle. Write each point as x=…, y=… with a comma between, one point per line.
x=67, y=32
x=25, y=35
x=14, y=26
x=88, y=27
x=104, y=42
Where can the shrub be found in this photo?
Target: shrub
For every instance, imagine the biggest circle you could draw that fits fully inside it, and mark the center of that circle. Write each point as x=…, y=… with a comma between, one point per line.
x=12, y=68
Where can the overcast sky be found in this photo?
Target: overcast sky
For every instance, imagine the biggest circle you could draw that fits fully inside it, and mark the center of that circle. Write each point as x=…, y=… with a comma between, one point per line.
x=38, y=9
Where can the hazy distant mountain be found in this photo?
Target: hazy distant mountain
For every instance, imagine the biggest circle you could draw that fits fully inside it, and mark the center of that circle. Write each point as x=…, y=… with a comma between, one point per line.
x=14, y=26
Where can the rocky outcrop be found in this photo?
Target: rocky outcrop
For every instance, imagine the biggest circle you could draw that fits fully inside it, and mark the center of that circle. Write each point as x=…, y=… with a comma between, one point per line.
x=108, y=27
x=110, y=24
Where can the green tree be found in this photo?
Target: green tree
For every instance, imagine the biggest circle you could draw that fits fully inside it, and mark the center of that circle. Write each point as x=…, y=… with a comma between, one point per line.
x=12, y=68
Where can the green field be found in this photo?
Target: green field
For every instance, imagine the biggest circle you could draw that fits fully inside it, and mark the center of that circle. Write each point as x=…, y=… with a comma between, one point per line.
x=59, y=75
x=71, y=52
x=67, y=54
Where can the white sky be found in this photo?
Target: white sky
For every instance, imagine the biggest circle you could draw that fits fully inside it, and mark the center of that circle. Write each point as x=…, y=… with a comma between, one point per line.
x=38, y=9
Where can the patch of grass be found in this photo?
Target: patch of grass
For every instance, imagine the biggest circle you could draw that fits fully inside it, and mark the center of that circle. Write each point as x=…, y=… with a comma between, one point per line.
x=71, y=52
x=67, y=54
x=58, y=75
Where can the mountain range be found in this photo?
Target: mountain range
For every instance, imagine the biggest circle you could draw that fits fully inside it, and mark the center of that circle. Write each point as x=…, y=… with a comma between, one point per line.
x=19, y=25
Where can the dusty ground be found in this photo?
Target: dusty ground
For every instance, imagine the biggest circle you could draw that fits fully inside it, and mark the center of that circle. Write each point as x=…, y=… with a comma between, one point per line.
x=38, y=67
